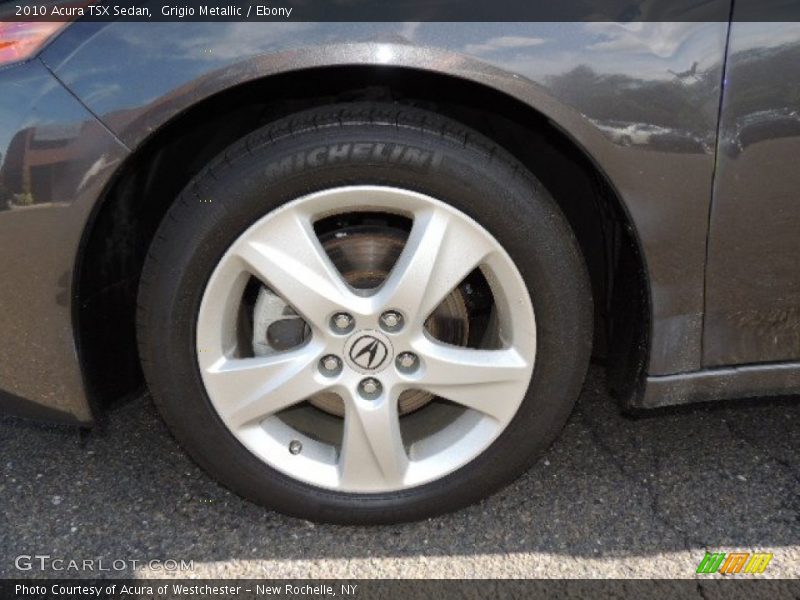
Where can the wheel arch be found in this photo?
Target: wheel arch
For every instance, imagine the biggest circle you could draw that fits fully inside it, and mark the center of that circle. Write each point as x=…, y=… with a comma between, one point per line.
x=126, y=216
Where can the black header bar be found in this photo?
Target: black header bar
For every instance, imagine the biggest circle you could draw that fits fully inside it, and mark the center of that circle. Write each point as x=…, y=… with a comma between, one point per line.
x=399, y=10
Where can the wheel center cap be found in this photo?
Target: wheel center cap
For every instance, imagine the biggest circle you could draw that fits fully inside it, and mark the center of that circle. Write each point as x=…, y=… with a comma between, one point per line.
x=368, y=351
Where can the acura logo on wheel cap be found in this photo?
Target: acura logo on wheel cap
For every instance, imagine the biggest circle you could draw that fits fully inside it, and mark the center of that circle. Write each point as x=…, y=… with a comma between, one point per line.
x=368, y=352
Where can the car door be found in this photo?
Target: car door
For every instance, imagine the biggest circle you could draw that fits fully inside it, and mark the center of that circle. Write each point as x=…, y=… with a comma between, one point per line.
x=753, y=269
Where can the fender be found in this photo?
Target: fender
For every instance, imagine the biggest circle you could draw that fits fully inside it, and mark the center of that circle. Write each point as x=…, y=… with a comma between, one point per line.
x=627, y=95
x=585, y=78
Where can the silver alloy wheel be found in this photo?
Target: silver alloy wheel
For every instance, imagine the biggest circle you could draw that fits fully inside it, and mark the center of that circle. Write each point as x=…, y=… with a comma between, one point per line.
x=283, y=251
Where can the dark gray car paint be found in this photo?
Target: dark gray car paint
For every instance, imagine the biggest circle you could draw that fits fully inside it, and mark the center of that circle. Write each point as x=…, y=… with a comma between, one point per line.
x=642, y=100
x=571, y=72
x=43, y=124
x=753, y=287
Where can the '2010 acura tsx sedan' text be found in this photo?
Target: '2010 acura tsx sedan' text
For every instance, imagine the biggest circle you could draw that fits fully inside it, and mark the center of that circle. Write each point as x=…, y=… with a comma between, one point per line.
x=362, y=267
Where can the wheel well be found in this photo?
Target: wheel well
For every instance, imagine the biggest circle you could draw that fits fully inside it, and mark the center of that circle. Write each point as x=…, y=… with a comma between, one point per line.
x=116, y=240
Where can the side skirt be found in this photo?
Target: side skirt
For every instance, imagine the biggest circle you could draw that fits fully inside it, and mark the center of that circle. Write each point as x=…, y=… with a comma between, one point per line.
x=776, y=379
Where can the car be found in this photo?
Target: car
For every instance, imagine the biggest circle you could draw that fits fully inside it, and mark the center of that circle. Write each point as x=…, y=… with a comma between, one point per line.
x=362, y=268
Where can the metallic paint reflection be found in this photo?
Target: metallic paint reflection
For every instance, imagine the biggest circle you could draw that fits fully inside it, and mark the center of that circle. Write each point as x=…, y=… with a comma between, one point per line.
x=641, y=99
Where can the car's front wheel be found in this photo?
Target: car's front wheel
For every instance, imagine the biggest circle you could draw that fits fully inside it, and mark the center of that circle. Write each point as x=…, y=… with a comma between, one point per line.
x=364, y=313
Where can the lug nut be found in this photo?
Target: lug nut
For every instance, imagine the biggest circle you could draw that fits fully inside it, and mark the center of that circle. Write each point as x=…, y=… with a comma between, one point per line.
x=391, y=320
x=330, y=364
x=370, y=388
x=295, y=447
x=342, y=322
x=407, y=361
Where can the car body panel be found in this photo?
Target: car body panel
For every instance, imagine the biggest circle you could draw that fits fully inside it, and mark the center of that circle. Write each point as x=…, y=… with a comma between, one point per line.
x=641, y=100
x=753, y=287
x=584, y=77
x=57, y=159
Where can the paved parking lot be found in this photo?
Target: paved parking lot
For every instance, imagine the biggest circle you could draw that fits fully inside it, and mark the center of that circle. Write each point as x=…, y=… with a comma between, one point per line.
x=614, y=497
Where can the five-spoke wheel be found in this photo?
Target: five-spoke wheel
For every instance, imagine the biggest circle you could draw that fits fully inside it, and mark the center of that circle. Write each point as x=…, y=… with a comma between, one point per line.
x=368, y=346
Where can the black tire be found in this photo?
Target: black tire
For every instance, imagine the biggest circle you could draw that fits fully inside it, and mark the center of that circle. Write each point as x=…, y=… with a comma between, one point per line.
x=260, y=173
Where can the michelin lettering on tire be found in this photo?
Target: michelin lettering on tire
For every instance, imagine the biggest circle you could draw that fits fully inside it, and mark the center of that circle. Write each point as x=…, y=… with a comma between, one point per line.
x=400, y=154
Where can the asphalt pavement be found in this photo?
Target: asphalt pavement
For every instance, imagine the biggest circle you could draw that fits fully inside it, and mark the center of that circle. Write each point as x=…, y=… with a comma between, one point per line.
x=615, y=496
